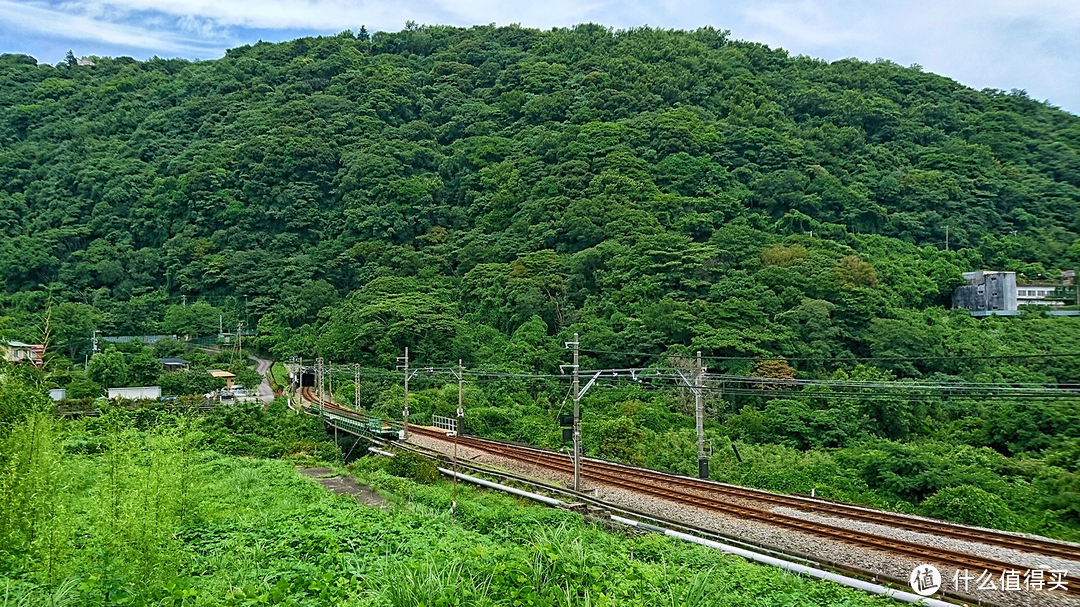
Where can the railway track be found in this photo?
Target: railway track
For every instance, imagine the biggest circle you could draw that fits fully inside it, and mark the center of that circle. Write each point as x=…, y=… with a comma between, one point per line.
x=645, y=482
x=1033, y=545
x=683, y=490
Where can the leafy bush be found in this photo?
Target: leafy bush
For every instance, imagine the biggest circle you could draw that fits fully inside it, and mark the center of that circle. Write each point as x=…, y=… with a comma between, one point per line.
x=971, y=505
x=407, y=464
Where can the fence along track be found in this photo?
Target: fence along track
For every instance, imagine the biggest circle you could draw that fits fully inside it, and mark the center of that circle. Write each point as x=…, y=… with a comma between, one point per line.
x=624, y=477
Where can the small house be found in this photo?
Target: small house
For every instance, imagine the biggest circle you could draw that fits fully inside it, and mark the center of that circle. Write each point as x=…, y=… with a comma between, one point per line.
x=18, y=352
x=173, y=365
x=230, y=378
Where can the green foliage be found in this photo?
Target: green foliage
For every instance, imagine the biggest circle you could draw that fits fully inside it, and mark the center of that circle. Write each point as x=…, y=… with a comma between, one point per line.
x=144, y=370
x=246, y=376
x=620, y=438
x=84, y=389
x=248, y=429
x=18, y=399
x=30, y=472
x=108, y=369
x=153, y=520
x=189, y=383
x=407, y=464
x=971, y=505
x=485, y=193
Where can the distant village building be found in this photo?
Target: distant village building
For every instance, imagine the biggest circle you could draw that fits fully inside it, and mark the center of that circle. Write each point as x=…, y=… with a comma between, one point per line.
x=146, y=340
x=58, y=394
x=85, y=62
x=1037, y=293
x=230, y=378
x=987, y=293
x=17, y=352
x=172, y=365
x=136, y=393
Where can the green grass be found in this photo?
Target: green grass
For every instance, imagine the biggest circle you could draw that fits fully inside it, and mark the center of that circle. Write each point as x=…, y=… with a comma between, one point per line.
x=279, y=376
x=149, y=520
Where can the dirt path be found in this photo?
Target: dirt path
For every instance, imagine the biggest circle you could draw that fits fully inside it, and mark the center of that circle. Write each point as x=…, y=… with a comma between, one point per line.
x=344, y=484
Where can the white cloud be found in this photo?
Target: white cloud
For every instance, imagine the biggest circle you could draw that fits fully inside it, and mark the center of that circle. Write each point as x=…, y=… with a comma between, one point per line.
x=1005, y=44
x=38, y=19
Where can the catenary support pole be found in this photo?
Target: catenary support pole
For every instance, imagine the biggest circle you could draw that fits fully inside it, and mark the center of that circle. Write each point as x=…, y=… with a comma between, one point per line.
x=405, y=413
x=699, y=418
x=461, y=398
x=457, y=428
x=319, y=379
x=577, y=419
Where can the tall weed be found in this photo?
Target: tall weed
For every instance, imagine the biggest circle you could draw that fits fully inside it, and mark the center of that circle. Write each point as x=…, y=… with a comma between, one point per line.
x=32, y=511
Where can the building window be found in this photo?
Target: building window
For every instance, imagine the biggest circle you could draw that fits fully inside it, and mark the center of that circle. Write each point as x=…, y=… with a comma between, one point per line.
x=1041, y=293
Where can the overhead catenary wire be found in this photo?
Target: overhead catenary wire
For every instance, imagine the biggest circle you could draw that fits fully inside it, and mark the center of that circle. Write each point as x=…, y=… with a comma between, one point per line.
x=739, y=385
x=766, y=357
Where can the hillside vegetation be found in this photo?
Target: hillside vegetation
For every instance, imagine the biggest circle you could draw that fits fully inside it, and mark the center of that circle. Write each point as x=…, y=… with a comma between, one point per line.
x=138, y=511
x=485, y=193
x=652, y=186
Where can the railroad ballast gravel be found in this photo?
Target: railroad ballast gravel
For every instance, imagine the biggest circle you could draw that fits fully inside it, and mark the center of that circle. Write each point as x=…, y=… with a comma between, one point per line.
x=786, y=540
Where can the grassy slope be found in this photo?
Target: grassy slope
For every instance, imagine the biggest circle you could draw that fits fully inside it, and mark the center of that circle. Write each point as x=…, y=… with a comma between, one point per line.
x=260, y=534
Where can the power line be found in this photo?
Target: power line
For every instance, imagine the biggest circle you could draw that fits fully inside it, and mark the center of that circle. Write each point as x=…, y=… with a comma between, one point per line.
x=854, y=358
x=653, y=373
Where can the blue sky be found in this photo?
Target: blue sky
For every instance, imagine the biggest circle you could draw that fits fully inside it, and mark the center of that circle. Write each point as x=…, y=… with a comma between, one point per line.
x=1006, y=44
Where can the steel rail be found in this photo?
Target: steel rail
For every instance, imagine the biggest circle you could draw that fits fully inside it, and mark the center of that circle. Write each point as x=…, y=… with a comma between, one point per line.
x=1035, y=545
x=602, y=473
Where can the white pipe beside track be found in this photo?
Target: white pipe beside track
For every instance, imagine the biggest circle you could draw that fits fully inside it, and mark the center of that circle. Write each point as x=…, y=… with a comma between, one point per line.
x=380, y=451
x=870, y=587
x=550, y=501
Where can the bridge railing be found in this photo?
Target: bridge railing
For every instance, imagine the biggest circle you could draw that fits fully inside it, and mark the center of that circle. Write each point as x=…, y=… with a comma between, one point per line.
x=357, y=423
x=449, y=424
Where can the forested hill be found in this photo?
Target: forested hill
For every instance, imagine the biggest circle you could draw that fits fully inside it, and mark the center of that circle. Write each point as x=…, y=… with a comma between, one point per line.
x=467, y=192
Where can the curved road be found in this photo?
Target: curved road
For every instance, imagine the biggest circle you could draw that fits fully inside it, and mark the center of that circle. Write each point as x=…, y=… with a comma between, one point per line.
x=265, y=392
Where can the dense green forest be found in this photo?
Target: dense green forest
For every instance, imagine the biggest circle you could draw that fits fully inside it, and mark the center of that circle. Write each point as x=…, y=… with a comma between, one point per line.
x=485, y=193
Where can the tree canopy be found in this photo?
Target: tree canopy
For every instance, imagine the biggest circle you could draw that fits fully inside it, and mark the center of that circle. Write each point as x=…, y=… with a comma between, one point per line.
x=645, y=187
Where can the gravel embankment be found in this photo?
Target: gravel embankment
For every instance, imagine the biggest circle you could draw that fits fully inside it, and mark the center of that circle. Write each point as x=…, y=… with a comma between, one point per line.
x=819, y=547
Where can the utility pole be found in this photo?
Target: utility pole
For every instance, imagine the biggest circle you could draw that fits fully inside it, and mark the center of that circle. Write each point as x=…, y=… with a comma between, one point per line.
x=946, y=238
x=319, y=371
x=183, y=299
x=460, y=399
x=356, y=383
x=577, y=418
x=457, y=430
x=699, y=418
x=405, y=412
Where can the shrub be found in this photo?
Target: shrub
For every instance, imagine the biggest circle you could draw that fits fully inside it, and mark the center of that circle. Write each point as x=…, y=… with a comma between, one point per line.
x=412, y=466
x=971, y=505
